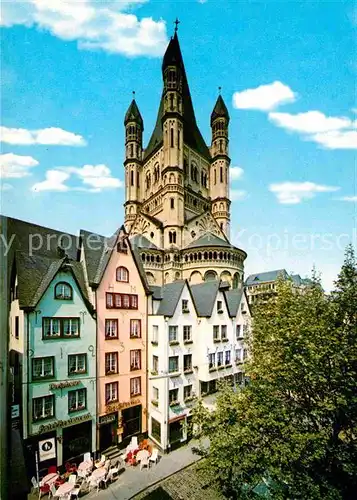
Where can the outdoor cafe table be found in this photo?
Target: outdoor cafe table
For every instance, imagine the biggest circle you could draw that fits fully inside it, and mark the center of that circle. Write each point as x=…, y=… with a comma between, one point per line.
x=142, y=455
x=64, y=489
x=49, y=479
x=99, y=473
x=85, y=465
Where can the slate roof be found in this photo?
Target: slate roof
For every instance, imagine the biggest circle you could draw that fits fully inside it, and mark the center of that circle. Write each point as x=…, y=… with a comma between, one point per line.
x=94, y=247
x=219, y=110
x=233, y=299
x=36, y=272
x=191, y=134
x=171, y=294
x=204, y=296
x=209, y=240
x=21, y=235
x=254, y=279
x=141, y=241
x=156, y=292
x=133, y=114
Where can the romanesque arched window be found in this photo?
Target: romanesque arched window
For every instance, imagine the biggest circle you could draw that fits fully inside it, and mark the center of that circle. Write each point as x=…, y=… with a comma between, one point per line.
x=172, y=237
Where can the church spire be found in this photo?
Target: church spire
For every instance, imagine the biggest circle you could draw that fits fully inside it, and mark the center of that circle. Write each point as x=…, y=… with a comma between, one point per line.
x=133, y=114
x=220, y=110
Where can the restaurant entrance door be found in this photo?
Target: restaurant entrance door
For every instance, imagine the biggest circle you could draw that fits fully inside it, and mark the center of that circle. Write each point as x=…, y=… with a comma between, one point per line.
x=108, y=431
x=77, y=440
x=131, y=418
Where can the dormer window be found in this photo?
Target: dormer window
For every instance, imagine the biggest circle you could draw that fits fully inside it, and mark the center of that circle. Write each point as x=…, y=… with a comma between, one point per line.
x=63, y=291
x=122, y=274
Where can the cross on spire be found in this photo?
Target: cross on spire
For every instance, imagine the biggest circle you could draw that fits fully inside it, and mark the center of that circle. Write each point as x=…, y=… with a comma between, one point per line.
x=219, y=90
x=176, y=23
x=133, y=94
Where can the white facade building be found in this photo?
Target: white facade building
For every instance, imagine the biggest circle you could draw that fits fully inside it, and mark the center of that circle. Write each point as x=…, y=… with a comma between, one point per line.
x=195, y=337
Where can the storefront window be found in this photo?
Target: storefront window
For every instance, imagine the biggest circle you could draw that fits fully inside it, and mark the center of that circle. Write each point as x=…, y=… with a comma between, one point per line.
x=156, y=429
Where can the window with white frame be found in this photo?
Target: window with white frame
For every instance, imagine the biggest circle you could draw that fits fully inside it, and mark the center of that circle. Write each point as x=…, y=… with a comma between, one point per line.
x=238, y=332
x=245, y=354
x=71, y=327
x=173, y=364
x=187, y=333
x=155, y=364
x=122, y=274
x=135, y=386
x=155, y=394
x=223, y=332
x=135, y=328
x=220, y=358
x=43, y=367
x=135, y=360
x=77, y=363
x=239, y=355
x=60, y=327
x=187, y=391
x=111, y=392
x=111, y=329
x=173, y=333
x=215, y=332
x=227, y=357
x=211, y=360
x=63, y=291
x=43, y=407
x=173, y=396
x=76, y=400
x=111, y=363
x=184, y=304
x=155, y=334
x=187, y=362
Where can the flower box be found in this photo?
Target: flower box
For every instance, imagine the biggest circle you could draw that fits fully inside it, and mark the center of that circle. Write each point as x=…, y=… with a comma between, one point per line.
x=174, y=342
x=174, y=403
x=188, y=341
x=153, y=372
x=187, y=371
x=154, y=402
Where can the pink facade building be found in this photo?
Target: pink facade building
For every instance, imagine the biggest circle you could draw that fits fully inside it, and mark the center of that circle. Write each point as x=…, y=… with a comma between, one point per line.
x=121, y=307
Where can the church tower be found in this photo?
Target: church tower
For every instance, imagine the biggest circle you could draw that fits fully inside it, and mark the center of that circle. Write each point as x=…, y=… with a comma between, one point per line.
x=220, y=166
x=177, y=208
x=134, y=127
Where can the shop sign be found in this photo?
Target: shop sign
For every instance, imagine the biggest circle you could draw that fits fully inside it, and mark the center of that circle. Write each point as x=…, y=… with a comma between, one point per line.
x=64, y=423
x=122, y=406
x=15, y=411
x=66, y=383
x=47, y=449
x=107, y=419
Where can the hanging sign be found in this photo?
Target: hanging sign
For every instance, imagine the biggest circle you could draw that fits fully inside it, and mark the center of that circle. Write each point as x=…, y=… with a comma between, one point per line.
x=47, y=449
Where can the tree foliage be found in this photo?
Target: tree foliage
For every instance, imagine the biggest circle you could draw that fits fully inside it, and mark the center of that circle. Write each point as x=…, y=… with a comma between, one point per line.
x=294, y=426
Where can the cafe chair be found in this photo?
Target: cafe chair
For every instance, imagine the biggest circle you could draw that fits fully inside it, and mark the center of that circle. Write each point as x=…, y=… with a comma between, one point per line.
x=52, y=469
x=87, y=457
x=44, y=490
x=155, y=456
x=144, y=462
x=52, y=491
x=35, y=485
x=72, y=479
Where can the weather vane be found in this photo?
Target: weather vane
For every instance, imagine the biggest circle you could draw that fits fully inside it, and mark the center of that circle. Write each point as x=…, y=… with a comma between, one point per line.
x=219, y=90
x=176, y=23
x=133, y=94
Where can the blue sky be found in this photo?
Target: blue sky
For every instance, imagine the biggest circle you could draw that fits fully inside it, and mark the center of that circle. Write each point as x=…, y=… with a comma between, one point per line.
x=288, y=74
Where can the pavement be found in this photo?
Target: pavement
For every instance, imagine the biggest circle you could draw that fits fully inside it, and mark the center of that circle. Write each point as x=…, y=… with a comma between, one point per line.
x=133, y=480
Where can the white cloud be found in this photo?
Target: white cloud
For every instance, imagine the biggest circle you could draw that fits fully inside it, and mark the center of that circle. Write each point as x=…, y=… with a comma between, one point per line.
x=264, y=97
x=54, y=182
x=93, y=24
x=331, y=132
x=6, y=187
x=236, y=173
x=97, y=176
x=237, y=195
x=311, y=122
x=51, y=136
x=292, y=193
x=352, y=199
x=16, y=166
x=337, y=139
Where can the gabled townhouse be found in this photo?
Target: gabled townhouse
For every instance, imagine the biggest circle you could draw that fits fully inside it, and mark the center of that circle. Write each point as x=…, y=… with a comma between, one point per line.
x=53, y=348
x=119, y=291
x=195, y=337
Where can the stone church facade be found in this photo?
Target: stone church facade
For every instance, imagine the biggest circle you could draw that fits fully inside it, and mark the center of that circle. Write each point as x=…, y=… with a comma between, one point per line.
x=177, y=206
